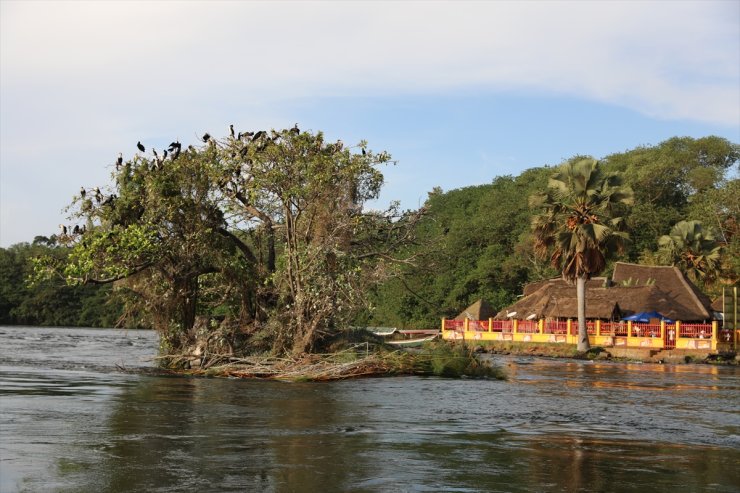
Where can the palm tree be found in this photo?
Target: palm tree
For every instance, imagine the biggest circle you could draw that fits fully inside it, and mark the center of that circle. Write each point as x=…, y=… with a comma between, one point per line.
x=578, y=227
x=692, y=249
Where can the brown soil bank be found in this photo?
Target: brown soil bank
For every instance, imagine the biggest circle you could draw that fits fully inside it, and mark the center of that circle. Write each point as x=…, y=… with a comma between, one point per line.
x=675, y=356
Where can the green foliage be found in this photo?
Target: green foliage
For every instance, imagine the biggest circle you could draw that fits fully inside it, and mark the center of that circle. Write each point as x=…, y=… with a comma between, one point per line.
x=578, y=226
x=470, y=247
x=49, y=301
x=455, y=361
x=693, y=249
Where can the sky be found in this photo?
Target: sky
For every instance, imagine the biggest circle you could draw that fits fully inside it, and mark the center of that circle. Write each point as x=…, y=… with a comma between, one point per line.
x=458, y=92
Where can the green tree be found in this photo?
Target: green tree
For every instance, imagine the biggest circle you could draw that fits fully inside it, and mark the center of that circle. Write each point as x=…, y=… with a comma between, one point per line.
x=579, y=227
x=266, y=229
x=667, y=180
x=693, y=249
x=322, y=249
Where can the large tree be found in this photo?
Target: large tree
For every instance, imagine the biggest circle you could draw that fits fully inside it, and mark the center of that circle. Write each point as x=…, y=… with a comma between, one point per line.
x=266, y=228
x=578, y=226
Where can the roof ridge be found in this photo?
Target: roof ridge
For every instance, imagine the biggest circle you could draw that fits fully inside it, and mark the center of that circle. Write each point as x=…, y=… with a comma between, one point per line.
x=691, y=291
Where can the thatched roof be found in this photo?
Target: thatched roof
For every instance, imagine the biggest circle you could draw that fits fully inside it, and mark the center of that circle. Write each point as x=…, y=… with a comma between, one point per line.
x=684, y=301
x=663, y=289
x=594, y=282
x=557, y=299
x=480, y=310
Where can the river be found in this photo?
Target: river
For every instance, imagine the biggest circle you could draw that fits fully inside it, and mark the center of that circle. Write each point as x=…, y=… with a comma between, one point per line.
x=72, y=421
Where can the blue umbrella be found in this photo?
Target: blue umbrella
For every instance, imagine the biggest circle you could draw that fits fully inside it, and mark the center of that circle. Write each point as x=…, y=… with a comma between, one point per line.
x=645, y=317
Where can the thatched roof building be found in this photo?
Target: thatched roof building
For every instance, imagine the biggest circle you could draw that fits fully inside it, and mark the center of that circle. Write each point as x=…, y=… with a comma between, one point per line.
x=633, y=288
x=556, y=299
x=480, y=310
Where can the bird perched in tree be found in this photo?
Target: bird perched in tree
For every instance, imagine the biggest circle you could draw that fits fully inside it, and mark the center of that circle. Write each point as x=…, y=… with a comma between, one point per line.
x=364, y=152
x=245, y=134
x=258, y=135
x=62, y=229
x=76, y=230
x=175, y=148
x=119, y=161
x=140, y=147
x=98, y=195
x=206, y=137
x=295, y=129
x=231, y=130
x=82, y=192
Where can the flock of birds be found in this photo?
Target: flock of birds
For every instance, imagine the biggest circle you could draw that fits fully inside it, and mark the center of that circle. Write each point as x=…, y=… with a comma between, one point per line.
x=260, y=138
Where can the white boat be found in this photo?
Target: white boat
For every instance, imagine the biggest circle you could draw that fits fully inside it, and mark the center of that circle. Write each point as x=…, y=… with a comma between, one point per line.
x=412, y=342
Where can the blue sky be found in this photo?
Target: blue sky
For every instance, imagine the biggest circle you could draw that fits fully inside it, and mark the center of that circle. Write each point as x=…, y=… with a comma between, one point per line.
x=457, y=92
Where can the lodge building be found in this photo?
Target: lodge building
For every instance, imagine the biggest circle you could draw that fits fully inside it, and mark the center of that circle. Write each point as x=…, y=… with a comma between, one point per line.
x=548, y=312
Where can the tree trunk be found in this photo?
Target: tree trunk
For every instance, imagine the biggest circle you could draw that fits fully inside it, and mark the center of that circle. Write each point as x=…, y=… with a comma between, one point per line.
x=186, y=289
x=583, y=344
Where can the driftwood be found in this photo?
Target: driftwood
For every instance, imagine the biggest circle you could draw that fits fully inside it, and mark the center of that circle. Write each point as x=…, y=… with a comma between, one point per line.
x=351, y=363
x=360, y=360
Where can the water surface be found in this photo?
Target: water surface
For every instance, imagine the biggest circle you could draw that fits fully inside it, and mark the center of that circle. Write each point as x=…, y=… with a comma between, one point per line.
x=70, y=420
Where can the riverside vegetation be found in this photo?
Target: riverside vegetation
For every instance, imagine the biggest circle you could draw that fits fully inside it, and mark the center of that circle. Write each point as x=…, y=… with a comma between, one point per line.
x=260, y=243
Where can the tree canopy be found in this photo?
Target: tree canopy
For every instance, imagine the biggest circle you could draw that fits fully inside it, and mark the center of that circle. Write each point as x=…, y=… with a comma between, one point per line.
x=267, y=228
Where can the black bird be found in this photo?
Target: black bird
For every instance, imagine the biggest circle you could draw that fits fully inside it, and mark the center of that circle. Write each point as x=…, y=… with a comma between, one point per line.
x=206, y=137
x=164, y=155
x=76, y=230
x=156, y=157
x=244, y=150
x=231, y=130
x=119, y=161
x=175, y=153
x=295, y=129
x=63, y=229
x=98, y=195
x=258, y=135
x=175, y=145
x=141, y=147
x=245, y=134
x=364, y=152
x=82, y=192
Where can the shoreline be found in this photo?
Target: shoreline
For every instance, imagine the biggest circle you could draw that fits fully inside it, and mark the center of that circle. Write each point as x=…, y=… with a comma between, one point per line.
x=596, y=353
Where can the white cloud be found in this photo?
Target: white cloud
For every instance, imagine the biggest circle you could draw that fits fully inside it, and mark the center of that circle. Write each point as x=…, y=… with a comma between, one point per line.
x=643, y=55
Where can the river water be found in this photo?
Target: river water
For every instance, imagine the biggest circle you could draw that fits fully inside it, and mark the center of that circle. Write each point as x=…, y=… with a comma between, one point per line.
x=71, y=420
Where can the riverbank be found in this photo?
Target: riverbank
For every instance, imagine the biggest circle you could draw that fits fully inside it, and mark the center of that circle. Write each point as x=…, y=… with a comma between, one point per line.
x=675, y=356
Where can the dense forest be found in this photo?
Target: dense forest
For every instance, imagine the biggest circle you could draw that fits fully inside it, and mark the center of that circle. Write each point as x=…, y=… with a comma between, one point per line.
x=464, y=244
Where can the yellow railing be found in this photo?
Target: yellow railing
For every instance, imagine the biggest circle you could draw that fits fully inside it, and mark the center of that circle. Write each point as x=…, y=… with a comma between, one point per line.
x=676, y=335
